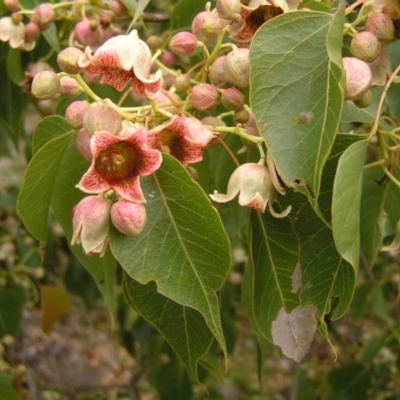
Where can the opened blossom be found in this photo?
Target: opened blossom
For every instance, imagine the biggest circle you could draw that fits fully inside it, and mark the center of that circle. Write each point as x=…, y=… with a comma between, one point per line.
x=12, y=32
x=123, y=59
x=184, y=138
x=119, y=162
x=253, y=183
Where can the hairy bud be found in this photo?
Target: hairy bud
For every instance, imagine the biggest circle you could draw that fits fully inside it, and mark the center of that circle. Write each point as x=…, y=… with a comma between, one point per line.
x=381, y=26
x=43, y=16
x=204, y=97
x=69, y=87
x=358, y=78
x=129, y=218
x=83, y=145
x=45, y=84
x=207, y=26
x=182, y=83
x=365, y=101
x=183, y=43
x=67, y=60
x=228, y=8
x=232, y=99
x=75, y=113
x=217, y=72
x=101, y=117
x=365, y=46
x=237, y=67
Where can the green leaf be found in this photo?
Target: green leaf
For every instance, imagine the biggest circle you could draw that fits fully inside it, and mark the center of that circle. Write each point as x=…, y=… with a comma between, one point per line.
x=7, y=391
x=183, y=248
x=14, y=66
x=296, y=94
x=50, y=34
x=12, y=299
x=266, y=282
x=352, y=113
x=64, y=197
x=47, y=129
x=346, y=202
x=184, y=328
x=37, y=187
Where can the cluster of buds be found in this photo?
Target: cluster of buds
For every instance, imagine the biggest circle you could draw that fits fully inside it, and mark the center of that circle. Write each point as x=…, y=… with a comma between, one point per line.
x=369, y=65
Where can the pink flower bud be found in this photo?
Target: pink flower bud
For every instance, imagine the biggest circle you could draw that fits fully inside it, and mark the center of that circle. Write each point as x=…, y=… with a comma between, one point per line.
x=12, y=5
x=237, y=67
x=365, y=46
x=217, y=74
x=43, y=16
x=228, y=8
x=75, y=113
x=207, y=26
x=358, y=78
x=67, y=60
x=87, y=34
x=232, y=99
x=204, y=97
x=168, y=59
x=182, y=83
x=183, y=43
x=83, y=145
x=32, y=32
x=69, y=87
x=129, y=218
x=118, y=8
x=45, y=84
x=90, y=220
x=381, y=26
x=101, y=117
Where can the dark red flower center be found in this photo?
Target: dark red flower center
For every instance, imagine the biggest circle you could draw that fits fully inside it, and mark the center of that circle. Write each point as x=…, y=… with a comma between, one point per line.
x=119, y=162
x=170, y=142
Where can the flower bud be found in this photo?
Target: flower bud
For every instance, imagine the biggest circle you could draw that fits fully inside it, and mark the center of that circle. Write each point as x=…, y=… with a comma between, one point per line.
x=67, y=60
x=228, y=8
x=207, y=26
x=232, y=99
x=90, y=220
x=183, y=44
x=32, y=32
x=154, y=42
x=358, y=78
x=45, y=84
x=12, y=5
x=237, y=67
x=69, y=87
x=182, y=83
x=365, y=46
x=204, y=97
x=87, y=34
x=129, y=218
x=75, y=113
x=118, y=8
x=43, y=16
x=168, y=59
x=381, y=26
x=241, y=116
x=365, y=101
x=83, y=145
x=216, y=72
x=101, y=117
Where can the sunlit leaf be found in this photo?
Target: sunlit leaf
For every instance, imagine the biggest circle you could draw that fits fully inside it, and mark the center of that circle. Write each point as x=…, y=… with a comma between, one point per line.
x=7, y=391
x=50, y=34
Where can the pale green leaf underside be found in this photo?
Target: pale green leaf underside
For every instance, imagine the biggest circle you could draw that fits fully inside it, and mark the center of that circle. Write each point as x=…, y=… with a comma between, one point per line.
x=183, y=248
x=295, y=93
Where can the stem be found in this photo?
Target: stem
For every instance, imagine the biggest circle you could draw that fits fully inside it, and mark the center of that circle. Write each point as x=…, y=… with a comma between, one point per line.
x=237, y=131
x=353, y=6
x=374, y=164
x=86, y=88
x=229, y=151
x=390, y=176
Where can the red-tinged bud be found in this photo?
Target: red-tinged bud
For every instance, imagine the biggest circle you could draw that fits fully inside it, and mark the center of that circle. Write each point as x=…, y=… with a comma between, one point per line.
x=217, y=74
x=365, y=46
x=358, y=78
x=228, y=8
x=105, y=20
x=32, y=32
x=86, y=34
x=83, y=145
x=237, y=67
x=101, y=117
x=12, y=5
x=75, y=113
x=129, y=218
x=204, y=97
x=381, y=26
x=69, y=87
x=365, y=101
x=168, y=59
x=207, y=26
x=183, y=44
x=232, y=99
x=182, y=83
x=43, y=16
x=118, y=8
x=67, y=60
x=45, y=85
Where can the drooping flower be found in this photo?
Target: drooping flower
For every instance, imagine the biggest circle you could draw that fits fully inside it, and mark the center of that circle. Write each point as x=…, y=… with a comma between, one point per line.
x=12, y=32
x=123, y=59
x=119, y=162
x=184, y=138
x=90, y=222
x=253, y=184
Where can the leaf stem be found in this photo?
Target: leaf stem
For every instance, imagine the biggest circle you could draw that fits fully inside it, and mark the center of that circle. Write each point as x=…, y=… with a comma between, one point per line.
x=229, y=151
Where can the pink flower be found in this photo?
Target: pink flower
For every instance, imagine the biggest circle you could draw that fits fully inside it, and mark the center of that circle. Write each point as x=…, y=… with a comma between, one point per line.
x=184, y=138
x=90, y=221
x=253, y=184
x=122, y=59
x=11, y=31
x=119, y=162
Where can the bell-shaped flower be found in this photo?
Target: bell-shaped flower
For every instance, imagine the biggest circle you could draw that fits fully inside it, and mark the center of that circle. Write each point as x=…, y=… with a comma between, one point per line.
x=90, y=222
x=119, y=162
x=12, y=32
x=253, y=184
x=123, y=59
x=184, y=138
